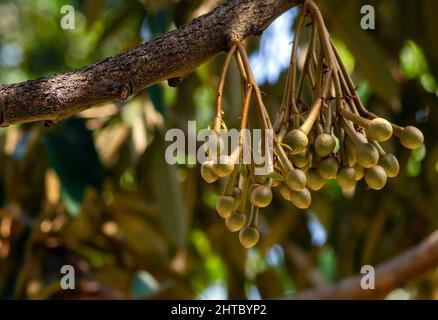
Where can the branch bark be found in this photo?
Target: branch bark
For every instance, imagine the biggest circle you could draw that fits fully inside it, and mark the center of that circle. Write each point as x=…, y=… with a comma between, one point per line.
x=171, y=56
x=389, y=275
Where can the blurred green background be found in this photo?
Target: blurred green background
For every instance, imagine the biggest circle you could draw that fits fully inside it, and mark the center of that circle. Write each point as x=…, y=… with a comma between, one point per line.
x=94, y=191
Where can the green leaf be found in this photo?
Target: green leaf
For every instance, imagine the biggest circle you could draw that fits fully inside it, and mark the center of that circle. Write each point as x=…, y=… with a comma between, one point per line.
x=168, y=191
x=72, y=154
x=328, y=263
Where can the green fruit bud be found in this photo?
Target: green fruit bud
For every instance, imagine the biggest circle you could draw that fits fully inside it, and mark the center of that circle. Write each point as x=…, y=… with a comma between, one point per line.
x=224, y=167
x=236, y=193
x=367, y=155
x=351, y=158
x=314, y=180
x=207, y=172
x=261, y=179
x=261, y=196
x=346, y=178
x=379, y=129
x=359, y=171
x=301, y=159
x=249, y=237
x=253, y=186
x=235, y=221
x=214, y=144
x=225, y=205
x=411, y=138
x=324, y=144
x=390, y=164
x=275, y=183
x=375, y=177
x=301, y=199
x=297, y=140
x=295, y=179
x=285, y=191
x=307, y=167
x=328, y=168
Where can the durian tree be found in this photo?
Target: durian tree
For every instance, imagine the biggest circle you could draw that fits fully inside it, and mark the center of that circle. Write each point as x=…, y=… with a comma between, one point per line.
x=353, y=178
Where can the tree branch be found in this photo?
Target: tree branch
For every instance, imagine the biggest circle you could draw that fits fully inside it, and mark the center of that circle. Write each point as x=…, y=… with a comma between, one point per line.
x=171, y=56
x=389, y=275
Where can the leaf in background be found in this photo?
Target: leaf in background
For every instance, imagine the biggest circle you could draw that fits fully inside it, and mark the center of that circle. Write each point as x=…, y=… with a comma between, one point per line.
x=160, y=20
x=327, y=263
x=172, y=209
x=140, y=236
x=93, y=10
x=430, y=45
x=158, y=24
x=71, y=152
x=269, y=283
x=184, y=9
x=370, y=57
x=157, y=97
x=168, y=194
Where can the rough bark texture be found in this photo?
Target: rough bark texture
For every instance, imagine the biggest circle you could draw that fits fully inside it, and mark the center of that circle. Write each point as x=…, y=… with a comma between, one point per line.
x=388, y=276
x=173, y=55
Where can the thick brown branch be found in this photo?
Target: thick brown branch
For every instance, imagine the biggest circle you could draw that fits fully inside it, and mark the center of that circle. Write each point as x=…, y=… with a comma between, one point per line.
x=171, y=56
x=389, y=275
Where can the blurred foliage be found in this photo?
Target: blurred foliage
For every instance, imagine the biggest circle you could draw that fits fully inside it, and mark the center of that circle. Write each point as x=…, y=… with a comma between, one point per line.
x=95, y=192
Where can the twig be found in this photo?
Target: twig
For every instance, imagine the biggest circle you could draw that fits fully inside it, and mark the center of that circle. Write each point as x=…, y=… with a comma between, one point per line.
x=389, y=275
x=171, y=56
x=220, y=88
x=260, y=105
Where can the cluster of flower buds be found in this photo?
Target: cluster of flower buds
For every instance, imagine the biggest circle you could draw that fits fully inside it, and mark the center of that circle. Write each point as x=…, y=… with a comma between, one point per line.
x=321, y=132
x=243, y=189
